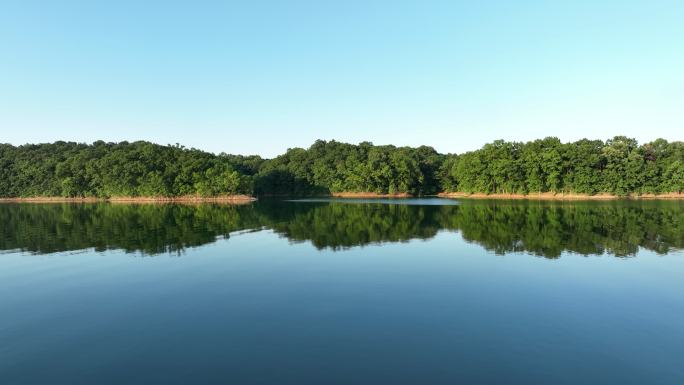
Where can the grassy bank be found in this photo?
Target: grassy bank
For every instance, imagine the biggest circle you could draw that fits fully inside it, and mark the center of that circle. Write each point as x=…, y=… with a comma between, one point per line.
x=369, y=195
x=560, y=196
x=124, y=199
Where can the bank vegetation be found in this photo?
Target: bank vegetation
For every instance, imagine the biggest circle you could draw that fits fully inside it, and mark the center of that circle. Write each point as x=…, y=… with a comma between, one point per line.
x=540, y=169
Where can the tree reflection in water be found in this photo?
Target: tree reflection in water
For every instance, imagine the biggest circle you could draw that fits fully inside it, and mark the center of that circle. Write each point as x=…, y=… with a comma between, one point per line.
x=546, y=229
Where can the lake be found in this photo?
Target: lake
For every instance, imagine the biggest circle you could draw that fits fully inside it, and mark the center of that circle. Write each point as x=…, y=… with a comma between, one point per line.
x=331, y=291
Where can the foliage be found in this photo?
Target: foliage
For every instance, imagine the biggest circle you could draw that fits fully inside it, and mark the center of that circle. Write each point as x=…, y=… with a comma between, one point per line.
x=120, y=169
x=620, y=166
x=340, y=167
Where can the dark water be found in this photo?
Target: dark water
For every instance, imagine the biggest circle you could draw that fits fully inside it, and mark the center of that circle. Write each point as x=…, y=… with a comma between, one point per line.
x=343, y=292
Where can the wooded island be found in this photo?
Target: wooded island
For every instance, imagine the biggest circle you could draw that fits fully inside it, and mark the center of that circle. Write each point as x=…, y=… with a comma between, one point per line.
x=619, y=167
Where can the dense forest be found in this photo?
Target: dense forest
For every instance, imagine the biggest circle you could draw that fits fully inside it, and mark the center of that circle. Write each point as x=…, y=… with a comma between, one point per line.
x=327, y=167
x=619, y=166
x=120, y=169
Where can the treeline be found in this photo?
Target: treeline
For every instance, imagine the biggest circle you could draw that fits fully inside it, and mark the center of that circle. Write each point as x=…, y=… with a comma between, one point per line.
x=120, y=169
x=328, y=167
x=619, y=166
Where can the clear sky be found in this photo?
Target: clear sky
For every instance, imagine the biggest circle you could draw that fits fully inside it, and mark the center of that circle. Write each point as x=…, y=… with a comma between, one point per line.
x=261, y=76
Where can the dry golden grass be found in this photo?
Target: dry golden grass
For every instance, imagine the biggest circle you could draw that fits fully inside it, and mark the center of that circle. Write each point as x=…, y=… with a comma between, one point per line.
x=181, y=199
x=369, y=195
x=560, y=196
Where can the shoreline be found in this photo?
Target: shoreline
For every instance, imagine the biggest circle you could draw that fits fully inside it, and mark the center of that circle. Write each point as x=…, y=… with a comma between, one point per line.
x=180, y=199
x=562, y=196
x=369, y=195
x=242, y=199
x=537, y=196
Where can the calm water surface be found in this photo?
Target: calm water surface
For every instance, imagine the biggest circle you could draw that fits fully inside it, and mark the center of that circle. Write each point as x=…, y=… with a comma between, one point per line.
x=343, y=292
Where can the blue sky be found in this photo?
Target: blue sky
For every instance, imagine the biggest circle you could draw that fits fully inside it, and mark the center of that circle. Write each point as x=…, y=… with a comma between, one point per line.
x=263, y=76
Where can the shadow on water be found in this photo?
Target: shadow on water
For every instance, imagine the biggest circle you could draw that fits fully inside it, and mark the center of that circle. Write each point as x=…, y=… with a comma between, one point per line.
x=541, y=228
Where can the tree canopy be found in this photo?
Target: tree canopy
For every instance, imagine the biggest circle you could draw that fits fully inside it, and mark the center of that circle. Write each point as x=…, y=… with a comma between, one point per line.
x=620, y=166
x=120, y=169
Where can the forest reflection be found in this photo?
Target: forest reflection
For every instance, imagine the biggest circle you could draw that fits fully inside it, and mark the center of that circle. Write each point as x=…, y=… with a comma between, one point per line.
x=541, y=228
